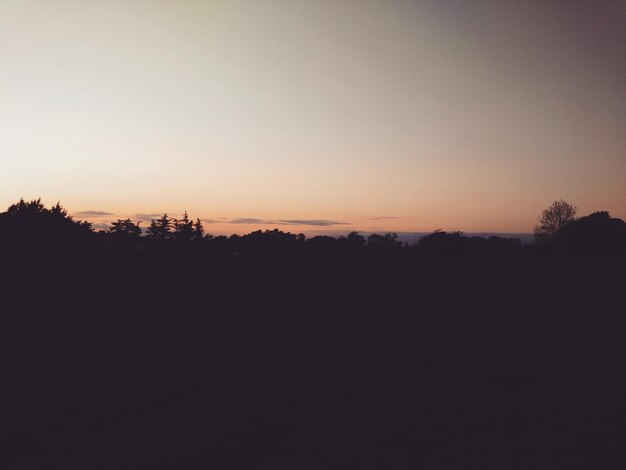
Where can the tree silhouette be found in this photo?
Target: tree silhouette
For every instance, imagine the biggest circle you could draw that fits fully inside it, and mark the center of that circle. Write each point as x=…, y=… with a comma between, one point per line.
x=389, y=240
x=125, y=229
x=25, y=209
x=31, y=225
x=441, y=244
x=355, y=240
x=183, y=229
x=59, y=211
x=554, y=219
x=198, y=230
x=124, y=235
x=160, y=228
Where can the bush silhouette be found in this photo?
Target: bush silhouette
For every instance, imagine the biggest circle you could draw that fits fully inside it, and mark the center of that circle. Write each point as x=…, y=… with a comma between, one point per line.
x=596, y=233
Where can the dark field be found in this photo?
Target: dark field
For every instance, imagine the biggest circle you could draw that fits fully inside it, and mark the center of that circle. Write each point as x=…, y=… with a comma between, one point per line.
x=238, y=362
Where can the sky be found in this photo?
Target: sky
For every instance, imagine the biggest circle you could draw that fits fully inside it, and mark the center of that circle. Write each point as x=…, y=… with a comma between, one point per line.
x=315, y=116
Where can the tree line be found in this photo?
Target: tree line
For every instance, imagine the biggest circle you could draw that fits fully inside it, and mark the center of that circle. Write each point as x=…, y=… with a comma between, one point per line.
x=29, y=225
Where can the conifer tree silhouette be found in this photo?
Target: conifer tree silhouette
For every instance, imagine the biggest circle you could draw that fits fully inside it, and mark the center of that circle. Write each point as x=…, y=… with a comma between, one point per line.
x=160, y=228
x=183, y=229
x=125, y=229
x=198, y=230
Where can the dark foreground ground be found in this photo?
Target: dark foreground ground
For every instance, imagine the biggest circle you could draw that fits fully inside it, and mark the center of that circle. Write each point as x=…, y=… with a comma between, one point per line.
x=111, y=362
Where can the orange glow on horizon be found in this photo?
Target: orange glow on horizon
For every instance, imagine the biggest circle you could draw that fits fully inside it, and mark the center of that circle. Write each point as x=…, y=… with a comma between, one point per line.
x=377, y=116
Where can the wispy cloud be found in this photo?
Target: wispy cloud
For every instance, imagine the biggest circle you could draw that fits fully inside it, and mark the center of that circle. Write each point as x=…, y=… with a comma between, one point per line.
x=246, y=220
x=314, y=222
x=92, y=213
x=382, y=218
x=210, y=221
x=311, y=222
x=147, y=216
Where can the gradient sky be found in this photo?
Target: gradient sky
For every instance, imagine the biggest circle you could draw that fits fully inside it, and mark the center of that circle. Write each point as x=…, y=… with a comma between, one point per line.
x=307, y=116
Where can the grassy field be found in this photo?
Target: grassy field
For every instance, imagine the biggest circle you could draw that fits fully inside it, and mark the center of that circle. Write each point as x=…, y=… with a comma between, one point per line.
x=239, y=362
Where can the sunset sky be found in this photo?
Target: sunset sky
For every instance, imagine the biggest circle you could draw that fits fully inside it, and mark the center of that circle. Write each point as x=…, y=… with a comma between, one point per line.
x=315, y=115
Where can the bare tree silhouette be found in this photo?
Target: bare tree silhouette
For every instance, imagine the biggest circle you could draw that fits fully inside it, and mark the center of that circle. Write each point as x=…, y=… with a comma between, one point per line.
x=554, y=219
